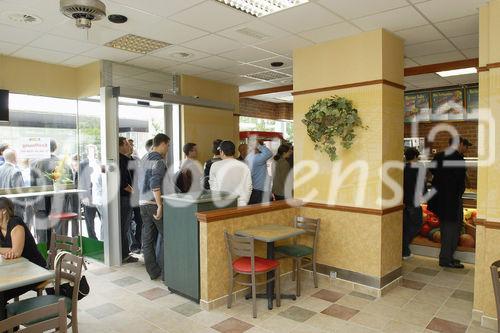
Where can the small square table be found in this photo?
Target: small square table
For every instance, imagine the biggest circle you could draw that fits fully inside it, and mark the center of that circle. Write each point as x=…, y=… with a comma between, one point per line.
x=269, y=234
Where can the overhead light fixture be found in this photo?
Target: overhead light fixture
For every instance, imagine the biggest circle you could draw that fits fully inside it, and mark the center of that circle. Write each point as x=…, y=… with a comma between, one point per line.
x=455, y=72
x=259, y=8
x=137, y=44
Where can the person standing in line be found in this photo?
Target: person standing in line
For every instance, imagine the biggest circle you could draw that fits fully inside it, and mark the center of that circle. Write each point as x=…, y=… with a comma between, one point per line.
x=230, y=175
x=89, y=209
x=208, y=164
x=413, y=190
x=152, y=183
x=449, y=176
x=3, y=147
x=243, y=150
x=281, y=170
x=12, y=178
x=190, y=176
x=148, y=145
x=256, y=160
x=126, y=191
x=135, y=230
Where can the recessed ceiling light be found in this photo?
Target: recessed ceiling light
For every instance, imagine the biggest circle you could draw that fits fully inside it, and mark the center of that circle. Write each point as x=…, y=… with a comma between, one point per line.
x=259, y=8
x=455, y=72
x=22, y=18
x=181, y=55
x=137, y=44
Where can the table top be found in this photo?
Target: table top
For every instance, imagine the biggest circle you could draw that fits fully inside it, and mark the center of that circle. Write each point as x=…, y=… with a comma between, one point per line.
x=21, y=272
x=43, y=194
x=271, y=232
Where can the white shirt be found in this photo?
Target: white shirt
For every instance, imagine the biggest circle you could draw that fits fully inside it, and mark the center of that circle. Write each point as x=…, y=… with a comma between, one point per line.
x=231, y=175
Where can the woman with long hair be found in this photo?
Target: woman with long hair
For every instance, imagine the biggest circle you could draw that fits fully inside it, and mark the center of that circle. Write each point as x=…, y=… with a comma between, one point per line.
x=281, y=169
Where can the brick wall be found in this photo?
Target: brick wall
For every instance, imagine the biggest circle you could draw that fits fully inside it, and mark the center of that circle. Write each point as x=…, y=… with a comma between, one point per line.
x=267, y=110
x=467, y=129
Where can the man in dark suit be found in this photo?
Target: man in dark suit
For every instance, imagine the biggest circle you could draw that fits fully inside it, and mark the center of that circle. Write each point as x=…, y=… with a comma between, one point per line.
x=449, y=176
x=12, y=178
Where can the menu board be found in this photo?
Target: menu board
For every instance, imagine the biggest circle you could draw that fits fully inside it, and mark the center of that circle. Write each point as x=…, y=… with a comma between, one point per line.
x=473, y=103
x=417, y=107
x=448, y=105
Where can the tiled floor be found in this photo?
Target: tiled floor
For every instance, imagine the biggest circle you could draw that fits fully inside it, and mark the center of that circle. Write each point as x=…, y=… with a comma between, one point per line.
x=430, y=299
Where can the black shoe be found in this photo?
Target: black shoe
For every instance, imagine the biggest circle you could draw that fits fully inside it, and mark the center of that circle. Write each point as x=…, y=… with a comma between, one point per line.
x=129, y=260
x=452, y=264
x=456, y=261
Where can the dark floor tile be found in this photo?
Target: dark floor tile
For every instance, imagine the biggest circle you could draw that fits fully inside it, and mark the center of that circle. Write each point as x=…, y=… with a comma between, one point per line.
x=328, y=295
x=426, y=271
x=105, y=310
x=297, y=313
x=445, y=326
x=232, y=325
x=126, y=281
x=188, y=309
x=464, y=295
x=339, y=311
x=457, y=271
x=413, y=284
x=361, y=295
x=154, y=293
x=102, y=271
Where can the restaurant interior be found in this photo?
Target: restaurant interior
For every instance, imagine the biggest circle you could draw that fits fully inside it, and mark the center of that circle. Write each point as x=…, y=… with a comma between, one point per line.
x=75, y=75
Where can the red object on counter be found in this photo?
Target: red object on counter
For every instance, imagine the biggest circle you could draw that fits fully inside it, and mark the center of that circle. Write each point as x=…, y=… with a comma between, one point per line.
x=434, y=221
x=426, y=228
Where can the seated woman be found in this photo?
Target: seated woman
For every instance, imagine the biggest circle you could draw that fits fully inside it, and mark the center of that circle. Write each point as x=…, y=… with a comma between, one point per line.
x=16, y=241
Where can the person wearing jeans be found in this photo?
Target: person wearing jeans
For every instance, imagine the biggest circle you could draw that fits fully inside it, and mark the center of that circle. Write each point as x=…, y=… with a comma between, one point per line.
x=153, y=172
x=256, y=160
x=126, y=190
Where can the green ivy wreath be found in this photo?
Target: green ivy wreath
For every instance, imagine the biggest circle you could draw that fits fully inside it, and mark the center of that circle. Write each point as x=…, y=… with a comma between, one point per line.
x=330, y=120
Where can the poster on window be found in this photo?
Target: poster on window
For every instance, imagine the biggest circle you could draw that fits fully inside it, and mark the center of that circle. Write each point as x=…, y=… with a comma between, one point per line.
x=417, y=107
x=473, y=103
x=34, y=148
x=448, y=105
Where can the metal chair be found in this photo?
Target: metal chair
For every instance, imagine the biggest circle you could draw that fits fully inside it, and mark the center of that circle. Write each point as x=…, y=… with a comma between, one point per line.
x=242, y=261
x=48, y=317
x=495, y=276
x=69, y=268
x=299, y=252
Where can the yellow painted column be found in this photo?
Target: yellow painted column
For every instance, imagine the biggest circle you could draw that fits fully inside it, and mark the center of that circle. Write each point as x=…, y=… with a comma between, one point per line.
x=360, y=234
x=488, y=233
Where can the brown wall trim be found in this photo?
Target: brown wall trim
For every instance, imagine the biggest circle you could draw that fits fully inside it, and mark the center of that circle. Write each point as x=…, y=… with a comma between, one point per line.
x=482, y=69
x=488, y=67
x=488, y=224
x=266, y=91
x=444, y=66
x=359, y=210
x=349, y=85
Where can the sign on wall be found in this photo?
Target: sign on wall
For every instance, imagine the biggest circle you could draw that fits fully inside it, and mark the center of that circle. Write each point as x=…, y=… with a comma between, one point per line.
x=473, y=103
x=448, y=105
x=34, y=148
x=417, y=107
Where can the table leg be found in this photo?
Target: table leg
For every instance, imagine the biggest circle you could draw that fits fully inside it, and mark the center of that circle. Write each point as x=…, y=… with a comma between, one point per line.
x=3, y=303
x=270, y=275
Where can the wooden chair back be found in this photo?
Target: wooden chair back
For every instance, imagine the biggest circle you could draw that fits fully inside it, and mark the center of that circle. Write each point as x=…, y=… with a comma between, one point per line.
x=310, y=226
x=62, y=243
x=58, y=323
x=495, y=276
x=69, y=268
x=239, y=246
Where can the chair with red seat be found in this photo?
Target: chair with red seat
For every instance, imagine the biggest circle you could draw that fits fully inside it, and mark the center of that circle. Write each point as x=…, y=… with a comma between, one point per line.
x=64, y=218
x=242, y=261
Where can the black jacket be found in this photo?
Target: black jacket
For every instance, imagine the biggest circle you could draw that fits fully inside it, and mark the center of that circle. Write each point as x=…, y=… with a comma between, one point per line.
x=125, y=175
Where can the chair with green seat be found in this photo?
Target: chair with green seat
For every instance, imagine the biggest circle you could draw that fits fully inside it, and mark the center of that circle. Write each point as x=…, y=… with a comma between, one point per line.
x=69, y=268
x=301, y=254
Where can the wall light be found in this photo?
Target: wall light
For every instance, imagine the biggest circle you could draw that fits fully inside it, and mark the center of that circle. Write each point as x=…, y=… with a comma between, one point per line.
x=455, y=72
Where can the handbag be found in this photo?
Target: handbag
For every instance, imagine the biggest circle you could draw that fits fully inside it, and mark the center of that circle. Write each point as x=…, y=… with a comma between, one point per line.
x=66, y=289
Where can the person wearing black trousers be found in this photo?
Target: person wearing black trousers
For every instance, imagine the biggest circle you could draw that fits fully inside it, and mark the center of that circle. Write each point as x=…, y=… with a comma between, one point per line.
x=449, y=171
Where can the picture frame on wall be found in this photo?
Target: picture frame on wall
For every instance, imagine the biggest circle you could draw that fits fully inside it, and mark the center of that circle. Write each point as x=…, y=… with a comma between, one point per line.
x=417, y=107
x=448, y=105
x=472, y=96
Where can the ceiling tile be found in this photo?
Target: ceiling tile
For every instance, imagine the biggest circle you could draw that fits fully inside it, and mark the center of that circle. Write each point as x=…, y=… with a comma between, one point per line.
x=331, y=32
x=438, y=46
x=287, y=62
x=239, y=81
x=169, y=53
x=8, y=48
x=458, y=27
x=466, y=42
x=108, y=53
x=97, y=34
x=213, y=44
x=186, y=69
x=61, y=44
x=152, y=76
x=47, y=10
x=350, y=9
x=439, y=58
x=264, y=30
x=137, y=19
x=125, y=70
x=244, y=69
x=216, y=75
x=442, y=10
x=152, y=62
x=215, y=62
x=288, y=70
x=256, y=86
x=425, y=33
x=394, y=20
x=248, y=54
x=170, y=32
x=310, y=16
x=285, y=46
x=211, y=16
x=427, y=81
x=78, y=61
x=17, y=35
x=42, y=55
x=410, y=63
x=471, y=53
x=163, y=8
x=464, y=79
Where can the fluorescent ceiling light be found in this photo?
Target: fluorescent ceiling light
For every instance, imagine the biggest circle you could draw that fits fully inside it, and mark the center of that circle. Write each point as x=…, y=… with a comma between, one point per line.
x=285, y=98
x=261, y=8
x=455, y=72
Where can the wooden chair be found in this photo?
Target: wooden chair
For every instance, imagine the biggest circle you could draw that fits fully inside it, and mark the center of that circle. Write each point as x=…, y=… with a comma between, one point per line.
x=495, y=276
x=69, y=268
x=242, y=261
x=46, y=318
x=62, y=243
x=299, y=252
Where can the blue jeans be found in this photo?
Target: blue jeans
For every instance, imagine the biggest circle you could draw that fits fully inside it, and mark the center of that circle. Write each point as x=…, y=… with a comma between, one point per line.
x=152, y=231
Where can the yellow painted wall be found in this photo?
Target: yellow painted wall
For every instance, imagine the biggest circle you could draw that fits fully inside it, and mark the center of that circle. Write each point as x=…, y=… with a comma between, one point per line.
x=203, y=125
x=38, y=78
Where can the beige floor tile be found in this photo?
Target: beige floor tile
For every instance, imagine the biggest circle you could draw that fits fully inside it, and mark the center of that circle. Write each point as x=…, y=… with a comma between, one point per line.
x=382, y=310
x=458, y=304
x=303, y=328
x=404, y=292
x=354, y=302
x=427, y=308
x=313, y=304
x=278, y=324
x=398, y=327
x=209, y=319
x=327, y=323
x=463, y=317
x=418, y=277
x=475, y=327
x=355, y=328
x=393, y=300
x=414, y=318
x=369, y=320
x=257, y=330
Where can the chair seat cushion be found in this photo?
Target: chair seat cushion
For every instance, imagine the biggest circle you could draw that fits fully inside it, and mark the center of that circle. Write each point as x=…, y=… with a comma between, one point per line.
x=35, y=303
x=63, y=216
x=244, y=264
x=295, y=250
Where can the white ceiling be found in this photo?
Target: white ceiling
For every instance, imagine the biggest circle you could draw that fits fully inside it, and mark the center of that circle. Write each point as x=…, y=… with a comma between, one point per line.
x=434, y=31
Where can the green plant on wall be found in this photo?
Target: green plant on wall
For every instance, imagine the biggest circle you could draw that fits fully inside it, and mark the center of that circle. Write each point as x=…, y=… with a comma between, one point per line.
x=332, y=121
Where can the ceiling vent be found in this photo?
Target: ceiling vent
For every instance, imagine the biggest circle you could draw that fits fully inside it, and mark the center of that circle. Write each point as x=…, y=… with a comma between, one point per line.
x=137, y=44
x=267, y=76
x=252, y=33
x=83, y=11
x=22, y=18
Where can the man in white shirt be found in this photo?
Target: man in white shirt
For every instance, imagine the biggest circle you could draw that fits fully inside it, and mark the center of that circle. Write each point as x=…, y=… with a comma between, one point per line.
x=230, y=175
